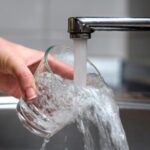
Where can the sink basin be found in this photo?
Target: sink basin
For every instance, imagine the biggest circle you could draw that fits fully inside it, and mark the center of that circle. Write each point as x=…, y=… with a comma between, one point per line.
x=135, y=116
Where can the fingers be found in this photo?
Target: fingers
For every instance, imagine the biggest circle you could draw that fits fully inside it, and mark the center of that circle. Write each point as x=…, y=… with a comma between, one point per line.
x=26, y=81
x=60, y=68
x=15, y=60
x=11, y=63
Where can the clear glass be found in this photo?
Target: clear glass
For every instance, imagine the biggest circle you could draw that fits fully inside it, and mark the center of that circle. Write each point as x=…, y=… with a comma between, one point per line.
x=49, y=112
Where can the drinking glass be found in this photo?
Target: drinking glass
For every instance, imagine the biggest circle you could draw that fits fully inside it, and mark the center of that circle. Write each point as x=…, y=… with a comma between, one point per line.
x=55, y=106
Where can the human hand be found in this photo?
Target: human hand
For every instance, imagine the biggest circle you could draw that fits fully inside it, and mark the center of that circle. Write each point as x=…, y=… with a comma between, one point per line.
x=17, y=63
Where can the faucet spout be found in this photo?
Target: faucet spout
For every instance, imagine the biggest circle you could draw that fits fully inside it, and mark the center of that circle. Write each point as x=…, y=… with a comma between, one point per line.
x=78, y=29
x=82, y=27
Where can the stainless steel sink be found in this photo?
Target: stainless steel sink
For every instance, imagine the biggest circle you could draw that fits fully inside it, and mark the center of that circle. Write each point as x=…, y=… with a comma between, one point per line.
x=135, y=116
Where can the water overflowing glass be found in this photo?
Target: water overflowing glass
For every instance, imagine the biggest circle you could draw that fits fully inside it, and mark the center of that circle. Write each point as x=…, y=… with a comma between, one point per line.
x=60, y=103
x=45, y=141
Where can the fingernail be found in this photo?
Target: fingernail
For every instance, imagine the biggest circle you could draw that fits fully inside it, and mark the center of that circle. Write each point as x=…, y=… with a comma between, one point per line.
x=30, y=94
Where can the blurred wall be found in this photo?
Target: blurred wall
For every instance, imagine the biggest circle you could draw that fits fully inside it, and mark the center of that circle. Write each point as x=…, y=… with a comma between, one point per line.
x=139, y=42
x=39, y=24
x=23, y=21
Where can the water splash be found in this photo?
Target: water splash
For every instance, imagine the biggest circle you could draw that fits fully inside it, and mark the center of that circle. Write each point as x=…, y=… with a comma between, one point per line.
x=45, y=142
x=104, y=115
x=85, y=106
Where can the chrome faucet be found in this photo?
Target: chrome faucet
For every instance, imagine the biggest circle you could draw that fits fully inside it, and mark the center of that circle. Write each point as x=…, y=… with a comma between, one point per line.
x=82, y=27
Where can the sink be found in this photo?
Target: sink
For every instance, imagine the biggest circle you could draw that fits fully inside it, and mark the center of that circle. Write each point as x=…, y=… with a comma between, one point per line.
x=137, y=127
x=135, y=116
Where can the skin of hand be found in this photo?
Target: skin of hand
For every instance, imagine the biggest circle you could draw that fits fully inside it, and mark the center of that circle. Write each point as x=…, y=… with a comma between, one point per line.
x=17, y=65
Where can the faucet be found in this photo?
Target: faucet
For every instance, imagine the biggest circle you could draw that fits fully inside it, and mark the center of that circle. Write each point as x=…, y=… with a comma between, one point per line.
x=82, y=27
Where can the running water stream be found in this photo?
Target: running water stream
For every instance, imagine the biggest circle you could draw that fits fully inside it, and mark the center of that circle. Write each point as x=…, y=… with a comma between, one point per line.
x=80, y=61
x=103, y=112
x=87, y=106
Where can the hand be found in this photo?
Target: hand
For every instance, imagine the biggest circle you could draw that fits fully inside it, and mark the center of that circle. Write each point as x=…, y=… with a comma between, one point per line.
x=17, y=63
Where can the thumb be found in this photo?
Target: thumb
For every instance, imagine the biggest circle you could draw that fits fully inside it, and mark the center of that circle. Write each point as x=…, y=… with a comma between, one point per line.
x=26, y=81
